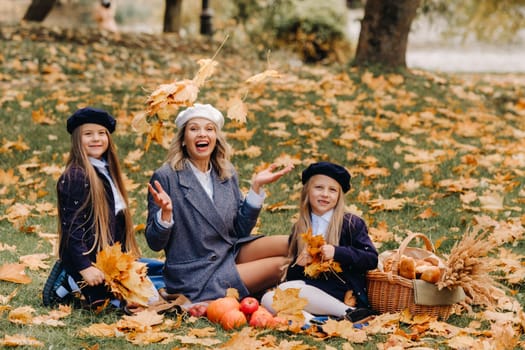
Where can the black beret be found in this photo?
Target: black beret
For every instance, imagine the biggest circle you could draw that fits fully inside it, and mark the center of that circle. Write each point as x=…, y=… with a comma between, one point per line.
x=91, y=115
x=336, y=172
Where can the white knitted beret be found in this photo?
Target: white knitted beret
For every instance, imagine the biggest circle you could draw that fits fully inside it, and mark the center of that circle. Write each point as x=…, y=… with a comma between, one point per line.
x=200, y=110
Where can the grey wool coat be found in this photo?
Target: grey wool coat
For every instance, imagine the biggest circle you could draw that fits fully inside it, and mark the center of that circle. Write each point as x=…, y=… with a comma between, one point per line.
x=202, y=244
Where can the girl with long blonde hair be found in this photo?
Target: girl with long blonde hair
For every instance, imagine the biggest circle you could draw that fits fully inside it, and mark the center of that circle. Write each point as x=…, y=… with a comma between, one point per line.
x=93, y=211
x=346, y=242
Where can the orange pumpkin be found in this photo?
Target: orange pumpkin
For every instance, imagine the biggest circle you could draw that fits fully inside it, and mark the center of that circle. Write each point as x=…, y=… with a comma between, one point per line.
x=233, y=319
x=218, y=307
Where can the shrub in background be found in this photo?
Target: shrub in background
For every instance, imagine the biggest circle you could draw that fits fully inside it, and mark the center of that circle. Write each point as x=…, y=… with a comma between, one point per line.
x=314, y=29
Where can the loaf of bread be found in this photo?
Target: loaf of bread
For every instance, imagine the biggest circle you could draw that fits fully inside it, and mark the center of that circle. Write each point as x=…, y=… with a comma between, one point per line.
x=407, y=267
x=426, y=269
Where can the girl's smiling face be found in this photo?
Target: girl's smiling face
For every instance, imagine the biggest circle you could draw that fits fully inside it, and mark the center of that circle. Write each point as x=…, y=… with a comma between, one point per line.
x=200, y=138
x=323, y=193
x=94, y=139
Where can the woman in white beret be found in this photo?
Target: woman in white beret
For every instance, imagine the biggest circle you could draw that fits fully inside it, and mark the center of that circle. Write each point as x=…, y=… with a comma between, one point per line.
x=199, y=217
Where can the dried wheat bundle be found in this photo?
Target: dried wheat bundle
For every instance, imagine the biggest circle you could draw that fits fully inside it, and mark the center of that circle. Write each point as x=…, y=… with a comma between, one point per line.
x=468, y=266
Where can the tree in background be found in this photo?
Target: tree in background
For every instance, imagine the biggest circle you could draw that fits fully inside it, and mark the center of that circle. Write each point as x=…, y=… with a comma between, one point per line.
x=39, y=9
x=384, y=32
x=172, y=16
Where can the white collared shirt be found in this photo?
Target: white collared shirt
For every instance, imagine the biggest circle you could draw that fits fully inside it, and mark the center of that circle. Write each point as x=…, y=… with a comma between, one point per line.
x=204, y=179
x=101, y=166
x=320, y=223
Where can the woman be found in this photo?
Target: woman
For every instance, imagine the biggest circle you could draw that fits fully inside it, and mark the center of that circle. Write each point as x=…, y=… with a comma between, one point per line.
x=198, y=216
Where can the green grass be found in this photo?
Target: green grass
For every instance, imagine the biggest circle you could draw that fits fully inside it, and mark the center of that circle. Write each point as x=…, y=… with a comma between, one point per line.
x=119, y=78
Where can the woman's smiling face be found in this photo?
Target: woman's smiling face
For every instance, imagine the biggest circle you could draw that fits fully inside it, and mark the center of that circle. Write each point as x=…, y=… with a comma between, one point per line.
x=200, y=138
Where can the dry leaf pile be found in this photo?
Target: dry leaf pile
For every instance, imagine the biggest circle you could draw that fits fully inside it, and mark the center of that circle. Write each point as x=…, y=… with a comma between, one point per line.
x=126, y=277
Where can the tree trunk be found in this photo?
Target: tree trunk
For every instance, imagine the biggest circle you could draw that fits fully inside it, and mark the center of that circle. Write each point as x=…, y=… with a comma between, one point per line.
x=172, y=16
x=384, y=32
x=38, y=10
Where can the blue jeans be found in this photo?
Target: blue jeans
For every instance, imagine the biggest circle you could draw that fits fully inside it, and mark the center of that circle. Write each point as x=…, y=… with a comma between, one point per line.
x=155, y=268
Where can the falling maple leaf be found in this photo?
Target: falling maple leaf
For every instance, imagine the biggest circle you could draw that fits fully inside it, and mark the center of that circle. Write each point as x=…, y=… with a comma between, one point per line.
x=237, y=110
x=125, y=276
x=269, y=73
x=317, y=265
x=206, y=70
x=155, y=134
x=167, y=98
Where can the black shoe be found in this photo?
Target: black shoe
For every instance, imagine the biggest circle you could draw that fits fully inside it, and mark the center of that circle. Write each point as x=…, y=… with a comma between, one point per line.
x=57, y=278
x=358, y=314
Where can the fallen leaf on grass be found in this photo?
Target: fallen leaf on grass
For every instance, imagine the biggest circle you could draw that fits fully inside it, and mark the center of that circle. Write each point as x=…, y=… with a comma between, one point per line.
x=150, y=337
x=35, y=261
x=14, y=273
x=6, y=299
x=386, y=204
x=101, y=330
x=344, y=329
x=39, y=117
x=21, y=315
x=242, y=340
x=202, y=332
x=20, y=340
x=196, y=340
x=141, y=321
x=7, y=247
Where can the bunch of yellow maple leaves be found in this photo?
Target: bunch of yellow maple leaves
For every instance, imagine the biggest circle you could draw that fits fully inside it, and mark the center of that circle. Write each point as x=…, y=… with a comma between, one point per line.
x=125, y=276
x=318, y=265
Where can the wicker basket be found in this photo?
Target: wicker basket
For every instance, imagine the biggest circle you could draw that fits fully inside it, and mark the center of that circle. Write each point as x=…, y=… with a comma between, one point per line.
x=389, y=292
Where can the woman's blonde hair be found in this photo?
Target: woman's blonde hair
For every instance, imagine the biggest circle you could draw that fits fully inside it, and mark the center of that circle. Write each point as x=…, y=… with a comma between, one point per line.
x=96, y=202
x=220, y=157
x=304, y=222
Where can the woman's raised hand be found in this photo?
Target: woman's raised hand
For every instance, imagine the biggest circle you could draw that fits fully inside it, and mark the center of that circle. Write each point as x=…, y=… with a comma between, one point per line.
x=268, y=175
x=162, y=199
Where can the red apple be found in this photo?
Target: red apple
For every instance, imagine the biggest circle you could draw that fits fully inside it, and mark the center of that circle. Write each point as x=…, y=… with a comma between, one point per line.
x=262, y=318
x=197, y=310
x=249, y=305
